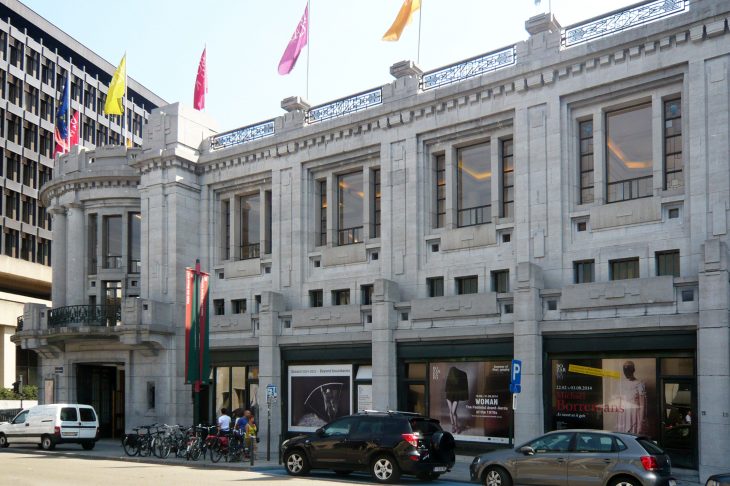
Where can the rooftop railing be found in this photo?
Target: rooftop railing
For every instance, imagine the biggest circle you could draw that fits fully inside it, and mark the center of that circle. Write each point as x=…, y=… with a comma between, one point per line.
x=242, y=135
x=621, y=20
x=467, y=69
x=345, y=106
x=89, y=315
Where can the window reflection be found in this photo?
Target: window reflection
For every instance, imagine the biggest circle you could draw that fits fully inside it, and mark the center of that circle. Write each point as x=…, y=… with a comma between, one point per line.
x=250, y=227
x=474, y=181
x=629, y=153
x=350, y=208
x=112, y=241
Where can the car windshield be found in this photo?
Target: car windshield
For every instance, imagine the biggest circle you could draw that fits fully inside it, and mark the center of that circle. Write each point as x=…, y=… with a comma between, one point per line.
x=559, y=442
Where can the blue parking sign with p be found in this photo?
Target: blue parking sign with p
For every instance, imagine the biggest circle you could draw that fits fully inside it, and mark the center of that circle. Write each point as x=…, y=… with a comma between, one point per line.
x=515, y=385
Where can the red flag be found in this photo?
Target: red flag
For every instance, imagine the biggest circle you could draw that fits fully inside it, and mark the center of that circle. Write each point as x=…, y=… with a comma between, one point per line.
x=62, y=145
x=201, y=85
x=296, y=44
x=74, y=135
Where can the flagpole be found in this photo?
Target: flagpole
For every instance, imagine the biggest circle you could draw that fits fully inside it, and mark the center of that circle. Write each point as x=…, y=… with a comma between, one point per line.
x=68, y=97
x=124, y=104
x=309, y=29
x=420, y=16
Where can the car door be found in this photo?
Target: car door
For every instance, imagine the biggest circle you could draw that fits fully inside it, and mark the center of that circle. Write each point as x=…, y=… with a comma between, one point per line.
x=17, y=430
x=548, y=464
x=70, y=425
x=87, y=423
x=328, y=447
x=594, y=456
x=364, y=435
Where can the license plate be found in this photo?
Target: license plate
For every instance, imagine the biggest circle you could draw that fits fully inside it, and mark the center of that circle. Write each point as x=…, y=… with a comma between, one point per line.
x=672, y=482
x=440, y=469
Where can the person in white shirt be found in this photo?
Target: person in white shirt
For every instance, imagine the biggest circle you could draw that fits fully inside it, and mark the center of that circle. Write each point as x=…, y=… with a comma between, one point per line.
x=224, y=421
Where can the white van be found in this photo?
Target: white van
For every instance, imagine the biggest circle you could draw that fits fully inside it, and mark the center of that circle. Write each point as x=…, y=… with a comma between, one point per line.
x=48, y=425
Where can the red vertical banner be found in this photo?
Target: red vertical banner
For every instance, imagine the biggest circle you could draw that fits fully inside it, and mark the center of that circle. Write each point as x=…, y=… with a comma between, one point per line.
x=204, y=360
x=189, y=283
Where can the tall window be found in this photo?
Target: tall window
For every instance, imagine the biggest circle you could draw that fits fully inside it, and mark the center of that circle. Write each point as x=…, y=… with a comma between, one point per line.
x=134, y=235
x=112, y=241
x=467, y=285
x=366, y=294
x=667, y=263
x=629, y=153
x=267, y=222
x=508, y=179
x=583, y=271
x=474, y=185
x=673, y=165
x=585, y=130
x=440, y=190
x=322, y=192
x=349, y=208
x=341, y=297
x=624, y=269
x=316, y=298
x=435, y=286
x=250, y=227
x=238, y=306
x=375, y=203
x=92, y=239
x=226, y=236
x=500, y=281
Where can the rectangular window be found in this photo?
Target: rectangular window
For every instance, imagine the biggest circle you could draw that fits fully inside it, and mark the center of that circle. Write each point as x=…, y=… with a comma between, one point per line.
x=585, y=130
x=667, y=263
x=467, y=285
x=316, y=298
x=134, y=234
x=322, y=193
x=629, y=153
x=624, y=269
x=219, y=307
x=238, y=306
x=267, y=222
x=474, y=185
x=508, y=179
x=226, y=236
x=112, y=241
x=250, y=227
x=500, y=281
x=583, y=271
x=375, y=202
x=673, y=165
x=440, y=190
x=366, y=294
x=435, y=286
x=341, y=297
x=350, y=208
x=92, y=239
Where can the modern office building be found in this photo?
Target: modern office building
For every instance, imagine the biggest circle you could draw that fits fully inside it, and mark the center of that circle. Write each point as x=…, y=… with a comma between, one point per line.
x=562, y=201
x=35, y=60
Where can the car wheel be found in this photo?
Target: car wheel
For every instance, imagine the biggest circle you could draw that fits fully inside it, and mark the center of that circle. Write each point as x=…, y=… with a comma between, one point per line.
x=47, y=443
x=342, y=472
x=3, y=441
x=497, y=476
x=385, y=470
x=296, y=463
x=88, y=445
x=625, y=481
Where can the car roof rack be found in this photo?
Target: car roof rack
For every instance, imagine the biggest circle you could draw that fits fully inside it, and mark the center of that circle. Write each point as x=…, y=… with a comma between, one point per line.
x=400, y=412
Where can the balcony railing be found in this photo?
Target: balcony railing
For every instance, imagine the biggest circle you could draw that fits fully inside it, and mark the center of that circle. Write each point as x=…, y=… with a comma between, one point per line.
x=349, y=236
x=345, y=106
x=468, y=68
x=113, y=261
x=242, y=135
x=135, y=266
x=19, y=325
x=89, y=315
x=474, y=216
x=249, y=251
x=629, y=189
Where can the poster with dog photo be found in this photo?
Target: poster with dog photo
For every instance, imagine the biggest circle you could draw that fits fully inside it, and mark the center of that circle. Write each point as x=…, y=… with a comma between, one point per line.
x=318, y=394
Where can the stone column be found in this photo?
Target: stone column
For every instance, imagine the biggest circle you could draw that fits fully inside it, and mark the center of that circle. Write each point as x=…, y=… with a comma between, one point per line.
x=75, y=281
x=713, y=360
x=272, y=303
x=385, y=361
x=528, y=348
x=58, y=255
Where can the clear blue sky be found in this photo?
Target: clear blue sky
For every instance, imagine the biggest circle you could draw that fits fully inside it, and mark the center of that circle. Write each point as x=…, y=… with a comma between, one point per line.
x=246, y=38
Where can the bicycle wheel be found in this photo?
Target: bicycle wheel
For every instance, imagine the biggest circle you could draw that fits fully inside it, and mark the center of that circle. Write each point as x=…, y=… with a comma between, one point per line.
x=129, y=445
x=162, y=447
x=145, y=446
x=216, y=450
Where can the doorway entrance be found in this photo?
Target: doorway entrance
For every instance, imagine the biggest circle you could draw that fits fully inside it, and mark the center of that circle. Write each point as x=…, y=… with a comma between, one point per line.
x=98, y=386
x=679, y=424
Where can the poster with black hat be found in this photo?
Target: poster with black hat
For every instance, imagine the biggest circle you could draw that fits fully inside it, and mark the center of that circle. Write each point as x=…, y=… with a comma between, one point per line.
x=318, y=394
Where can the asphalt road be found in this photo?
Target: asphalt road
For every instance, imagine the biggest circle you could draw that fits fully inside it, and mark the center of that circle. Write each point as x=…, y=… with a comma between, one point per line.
x=31, y=469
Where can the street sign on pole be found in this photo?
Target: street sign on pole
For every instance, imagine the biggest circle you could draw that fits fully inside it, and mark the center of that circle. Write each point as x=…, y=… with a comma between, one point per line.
x=515, y=385
x=272, y=393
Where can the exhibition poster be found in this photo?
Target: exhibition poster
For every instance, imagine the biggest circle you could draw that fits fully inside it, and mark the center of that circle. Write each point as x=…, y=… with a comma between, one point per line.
x=318, y=394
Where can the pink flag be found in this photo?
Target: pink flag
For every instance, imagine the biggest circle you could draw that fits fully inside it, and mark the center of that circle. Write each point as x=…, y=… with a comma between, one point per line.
x=296, y=44
x=74, y=135
x=201, y=85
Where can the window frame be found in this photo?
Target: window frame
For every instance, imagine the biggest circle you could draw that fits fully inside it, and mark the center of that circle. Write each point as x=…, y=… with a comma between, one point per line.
x=579, y=274
x=619, y=261
x=467, y=282
x=607, y=162
x=505, y=174
x=483, y=213
x=665, y=138
x=659, y=258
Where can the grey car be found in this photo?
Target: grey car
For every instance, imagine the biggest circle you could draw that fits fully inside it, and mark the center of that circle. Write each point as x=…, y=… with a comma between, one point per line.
x=576, y=458
x=718, y=480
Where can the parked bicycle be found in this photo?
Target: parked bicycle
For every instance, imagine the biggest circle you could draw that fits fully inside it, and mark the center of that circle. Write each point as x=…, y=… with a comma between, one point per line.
x=139, y=444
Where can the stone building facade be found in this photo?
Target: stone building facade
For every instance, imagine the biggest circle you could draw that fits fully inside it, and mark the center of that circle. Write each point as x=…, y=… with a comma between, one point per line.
x=562, y=201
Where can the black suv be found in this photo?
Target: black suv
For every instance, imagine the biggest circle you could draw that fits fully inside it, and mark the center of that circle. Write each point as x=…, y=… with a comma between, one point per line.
x=387, y=444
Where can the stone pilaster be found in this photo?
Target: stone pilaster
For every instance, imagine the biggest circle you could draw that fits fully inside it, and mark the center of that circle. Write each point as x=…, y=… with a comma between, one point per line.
x=272, y=303
x=58, y=252
x=385, y=371
x=713, y=360
x=528, y=348
x=76, y=242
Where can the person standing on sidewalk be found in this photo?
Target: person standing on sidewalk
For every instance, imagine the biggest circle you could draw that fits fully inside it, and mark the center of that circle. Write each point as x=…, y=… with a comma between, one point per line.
x=251, y=434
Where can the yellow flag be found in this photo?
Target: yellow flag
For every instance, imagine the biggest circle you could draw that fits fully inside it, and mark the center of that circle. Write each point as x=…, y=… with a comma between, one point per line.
x=113, y=105
x=402, y=19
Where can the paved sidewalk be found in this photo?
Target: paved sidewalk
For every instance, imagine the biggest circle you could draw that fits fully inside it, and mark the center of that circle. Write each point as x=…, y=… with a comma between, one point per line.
x=111, y=449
